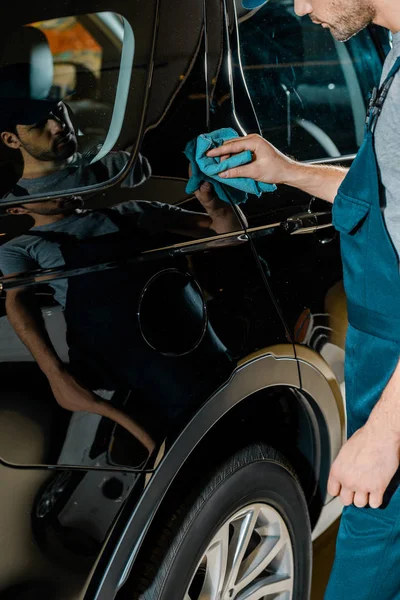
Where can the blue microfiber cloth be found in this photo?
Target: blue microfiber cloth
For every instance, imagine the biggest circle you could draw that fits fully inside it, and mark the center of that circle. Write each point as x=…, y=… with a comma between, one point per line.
x=205, y=168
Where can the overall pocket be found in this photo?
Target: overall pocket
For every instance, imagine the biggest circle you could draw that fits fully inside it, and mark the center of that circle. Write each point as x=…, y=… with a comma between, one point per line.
x=349, y=214
x=352, y=218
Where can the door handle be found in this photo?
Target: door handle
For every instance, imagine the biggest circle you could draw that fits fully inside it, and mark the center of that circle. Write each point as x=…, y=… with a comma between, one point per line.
x=308, y=222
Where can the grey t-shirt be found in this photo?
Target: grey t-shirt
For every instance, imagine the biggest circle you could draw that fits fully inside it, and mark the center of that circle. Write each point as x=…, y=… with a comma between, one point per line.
x=29, y=252
x=387, y=144
x=80, y=174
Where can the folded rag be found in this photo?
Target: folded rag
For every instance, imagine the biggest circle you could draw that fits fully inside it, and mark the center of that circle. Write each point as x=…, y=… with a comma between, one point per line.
x=205, y=168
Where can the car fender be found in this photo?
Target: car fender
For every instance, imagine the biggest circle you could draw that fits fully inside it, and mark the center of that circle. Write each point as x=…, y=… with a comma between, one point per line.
x=269, y=367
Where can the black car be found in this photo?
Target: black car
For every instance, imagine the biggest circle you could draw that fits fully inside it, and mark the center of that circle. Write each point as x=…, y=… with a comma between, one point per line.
x=215, y=356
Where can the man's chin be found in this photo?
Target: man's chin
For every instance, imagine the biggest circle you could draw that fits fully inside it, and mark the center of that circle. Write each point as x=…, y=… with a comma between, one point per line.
x=64, y=152
x=341, y=37
x=344, y=36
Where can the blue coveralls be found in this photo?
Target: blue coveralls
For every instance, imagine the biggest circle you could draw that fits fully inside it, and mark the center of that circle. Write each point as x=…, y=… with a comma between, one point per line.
x=367, y=563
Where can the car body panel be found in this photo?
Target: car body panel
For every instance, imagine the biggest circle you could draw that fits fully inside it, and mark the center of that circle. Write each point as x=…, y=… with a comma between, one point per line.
x=79, y=492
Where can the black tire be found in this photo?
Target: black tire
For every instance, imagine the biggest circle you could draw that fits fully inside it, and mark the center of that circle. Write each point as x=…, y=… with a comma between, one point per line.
x=256, y=474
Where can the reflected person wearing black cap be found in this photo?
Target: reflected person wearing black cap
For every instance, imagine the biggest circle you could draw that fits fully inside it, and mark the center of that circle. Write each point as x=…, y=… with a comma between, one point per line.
x=35, y=120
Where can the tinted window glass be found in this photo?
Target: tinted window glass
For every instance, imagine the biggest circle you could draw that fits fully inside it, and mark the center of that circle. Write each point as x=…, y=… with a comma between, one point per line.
x=309, y=91
x=63, y=94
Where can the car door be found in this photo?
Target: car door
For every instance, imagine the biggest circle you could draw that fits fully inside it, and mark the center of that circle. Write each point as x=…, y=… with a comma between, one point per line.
x=149, y=316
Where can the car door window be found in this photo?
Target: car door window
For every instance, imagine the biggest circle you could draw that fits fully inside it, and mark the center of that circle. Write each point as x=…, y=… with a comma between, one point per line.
x=63, y=96
x=86, y=58
x=309, y=90
x=177, y=113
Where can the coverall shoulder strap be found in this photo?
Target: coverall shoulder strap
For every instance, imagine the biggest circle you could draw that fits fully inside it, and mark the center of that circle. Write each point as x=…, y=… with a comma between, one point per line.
x=379, y=96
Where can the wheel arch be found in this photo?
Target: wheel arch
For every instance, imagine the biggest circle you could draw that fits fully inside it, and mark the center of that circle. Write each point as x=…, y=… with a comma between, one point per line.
x=273, y=372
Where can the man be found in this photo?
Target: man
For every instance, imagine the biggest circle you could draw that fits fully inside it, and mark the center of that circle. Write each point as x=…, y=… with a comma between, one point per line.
x=51, y=161
x=35, y=122
x=366, y=211
x=105, y=345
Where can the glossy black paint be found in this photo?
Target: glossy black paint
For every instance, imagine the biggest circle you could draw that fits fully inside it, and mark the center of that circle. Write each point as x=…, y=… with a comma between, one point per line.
x=82, y=479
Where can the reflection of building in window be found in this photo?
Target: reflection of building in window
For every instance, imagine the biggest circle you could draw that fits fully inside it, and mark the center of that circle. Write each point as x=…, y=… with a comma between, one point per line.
x=74, y=49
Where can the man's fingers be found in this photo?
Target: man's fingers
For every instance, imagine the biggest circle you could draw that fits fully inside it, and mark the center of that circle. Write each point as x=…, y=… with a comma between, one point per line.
x=205, y=193
x=206, y=187
x=360, y=499
x=333, y=486
x=233, y=147
x=236, y=172
x=346, y=496
x=375, y=499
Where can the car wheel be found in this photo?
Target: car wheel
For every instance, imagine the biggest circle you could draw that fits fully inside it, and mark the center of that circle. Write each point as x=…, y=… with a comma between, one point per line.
x=244, y=535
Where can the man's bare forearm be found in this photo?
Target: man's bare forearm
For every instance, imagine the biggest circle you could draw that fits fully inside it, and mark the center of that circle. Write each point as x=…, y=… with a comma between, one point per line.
x=322, y=181
x=270, y=165
x=386, y=413
x=27, y=321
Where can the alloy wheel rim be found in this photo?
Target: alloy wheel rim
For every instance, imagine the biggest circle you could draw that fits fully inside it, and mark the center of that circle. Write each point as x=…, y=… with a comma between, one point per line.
x=249, y=558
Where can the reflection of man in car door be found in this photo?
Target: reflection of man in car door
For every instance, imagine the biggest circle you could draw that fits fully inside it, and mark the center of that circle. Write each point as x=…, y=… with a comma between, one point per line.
x=105, y=345
x=47, y=141
x=34, y=121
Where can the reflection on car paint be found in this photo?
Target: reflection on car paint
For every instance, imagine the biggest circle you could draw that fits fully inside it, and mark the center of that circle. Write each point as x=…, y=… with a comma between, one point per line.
x=149, y=309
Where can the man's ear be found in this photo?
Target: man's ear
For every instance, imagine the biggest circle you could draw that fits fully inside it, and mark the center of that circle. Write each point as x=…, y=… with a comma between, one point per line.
x=10, y=139
x=17, y=210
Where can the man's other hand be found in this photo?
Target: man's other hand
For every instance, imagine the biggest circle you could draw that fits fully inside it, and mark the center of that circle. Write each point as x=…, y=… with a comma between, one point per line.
x=208, y=198
x=365, y=466
x=222, y=214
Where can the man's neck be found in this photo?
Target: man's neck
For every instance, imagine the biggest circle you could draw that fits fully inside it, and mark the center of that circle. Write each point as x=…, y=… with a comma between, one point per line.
x=33, y=168
x=40, y=220
x=388, y=14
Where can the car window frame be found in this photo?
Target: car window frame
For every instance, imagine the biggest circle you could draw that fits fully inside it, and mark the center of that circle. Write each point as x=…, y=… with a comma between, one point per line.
x=377, y=38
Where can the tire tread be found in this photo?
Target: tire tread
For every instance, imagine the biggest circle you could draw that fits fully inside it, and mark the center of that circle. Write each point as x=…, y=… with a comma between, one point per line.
x=160, y=553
